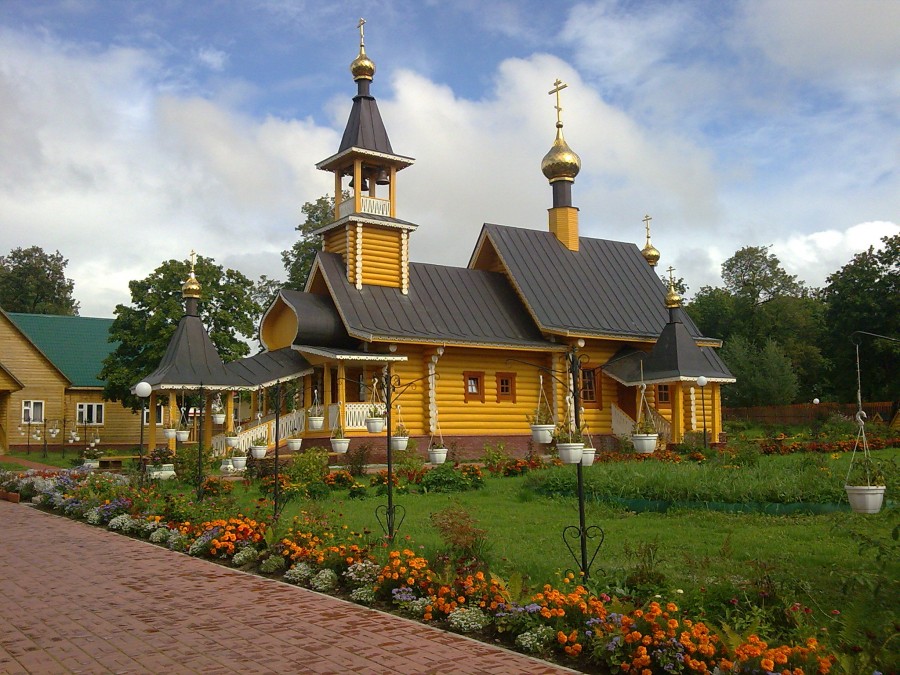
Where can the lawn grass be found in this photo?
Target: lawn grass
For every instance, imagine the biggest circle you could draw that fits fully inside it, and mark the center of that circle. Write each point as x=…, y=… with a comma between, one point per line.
x=53, y=458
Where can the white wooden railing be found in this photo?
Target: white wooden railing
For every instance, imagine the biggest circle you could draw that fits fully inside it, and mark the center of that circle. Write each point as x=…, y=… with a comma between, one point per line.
x=290, y=423
x=622, y=424
x=355, y=414
x=373, y=205
x=663, y=426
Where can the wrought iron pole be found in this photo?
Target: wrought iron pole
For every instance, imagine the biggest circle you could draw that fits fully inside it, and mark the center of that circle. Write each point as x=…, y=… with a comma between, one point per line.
x=277, y=441
x=200, y=446
x=582, y=521
x=388, y=390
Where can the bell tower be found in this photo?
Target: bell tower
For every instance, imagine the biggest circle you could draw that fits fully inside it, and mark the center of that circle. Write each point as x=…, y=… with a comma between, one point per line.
x=366, y=232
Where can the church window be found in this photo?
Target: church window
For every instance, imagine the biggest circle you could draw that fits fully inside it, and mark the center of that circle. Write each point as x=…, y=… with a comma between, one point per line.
x=506, y=387
x=662, y=393
x=590, y=394
x=474, y=383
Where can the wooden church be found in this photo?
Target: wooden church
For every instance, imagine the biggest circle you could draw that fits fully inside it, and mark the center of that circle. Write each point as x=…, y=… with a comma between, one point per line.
x=474, y=350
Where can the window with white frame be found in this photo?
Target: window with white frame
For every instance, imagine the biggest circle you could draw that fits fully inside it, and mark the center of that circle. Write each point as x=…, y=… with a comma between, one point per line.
x=89, y=413
x=159, y=415
x=32, y=411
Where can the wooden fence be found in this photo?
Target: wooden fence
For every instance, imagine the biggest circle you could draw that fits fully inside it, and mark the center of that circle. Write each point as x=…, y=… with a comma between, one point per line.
x=806, y=413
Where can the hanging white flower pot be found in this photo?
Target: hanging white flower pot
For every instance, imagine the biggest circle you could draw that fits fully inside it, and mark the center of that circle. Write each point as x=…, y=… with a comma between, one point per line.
x=644, y=443
x=587, y=456
x=375, y=425
x=542, y=433
x=570, y=453
x=294, y=444
x=231, y=441
x=437, y=455
x=169, y=433
x=258, y=451
x=399, y=443
x=865, y=498
x=340, y=445
x=316, y=423
x=239, y=463
x=218, y=418
x=182, y=436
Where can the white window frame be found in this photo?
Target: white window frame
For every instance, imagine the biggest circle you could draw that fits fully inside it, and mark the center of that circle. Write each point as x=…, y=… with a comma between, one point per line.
x=94, y=419
x=28, y=407
x=145, y=415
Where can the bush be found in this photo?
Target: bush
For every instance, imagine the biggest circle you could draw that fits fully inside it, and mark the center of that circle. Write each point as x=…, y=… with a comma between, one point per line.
x=186, y=463
x=447, y=478
x=310, y=466
x=357, y=459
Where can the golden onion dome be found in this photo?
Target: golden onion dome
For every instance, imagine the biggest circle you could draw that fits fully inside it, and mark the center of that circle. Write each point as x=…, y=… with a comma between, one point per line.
x=673, y=300
x=650, y=253
x=561, y=162
x=191, y=288
x=363, y=68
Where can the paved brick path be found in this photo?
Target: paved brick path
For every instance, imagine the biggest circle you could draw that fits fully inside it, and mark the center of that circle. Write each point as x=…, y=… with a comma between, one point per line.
x=80, y=599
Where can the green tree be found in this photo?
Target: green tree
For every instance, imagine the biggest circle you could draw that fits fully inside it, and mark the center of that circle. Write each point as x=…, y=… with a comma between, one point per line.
x=765, y=375
x=299, y=258
x=864, y=295
x=712, y=309
x=756, y=276
x=35, y=282
x=144, y=328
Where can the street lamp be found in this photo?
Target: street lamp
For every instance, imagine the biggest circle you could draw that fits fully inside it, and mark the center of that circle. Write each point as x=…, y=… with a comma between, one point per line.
x=143, y=390
x=702, y=382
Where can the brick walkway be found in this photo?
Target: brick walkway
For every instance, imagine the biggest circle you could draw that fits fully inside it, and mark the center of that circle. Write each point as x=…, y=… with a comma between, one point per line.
x=80, y=599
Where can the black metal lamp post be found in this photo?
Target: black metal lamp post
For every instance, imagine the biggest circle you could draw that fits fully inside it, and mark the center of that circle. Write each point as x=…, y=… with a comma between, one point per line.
x=702, y=382
x=28, y=431
x=582, y=531
x=200, y=447
x=277, y=511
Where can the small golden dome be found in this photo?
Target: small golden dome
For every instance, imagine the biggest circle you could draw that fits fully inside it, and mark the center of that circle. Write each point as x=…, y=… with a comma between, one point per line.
x=673, y=300
x=191, y=288
x=561, y=162
x=650, y=253
x=363, y=68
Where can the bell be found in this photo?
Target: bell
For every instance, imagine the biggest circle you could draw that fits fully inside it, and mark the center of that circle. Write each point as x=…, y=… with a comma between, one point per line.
x=365, y=184
x=382, y=177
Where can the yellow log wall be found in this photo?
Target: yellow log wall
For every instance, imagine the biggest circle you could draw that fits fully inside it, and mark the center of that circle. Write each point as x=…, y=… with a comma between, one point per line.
x=381, y=265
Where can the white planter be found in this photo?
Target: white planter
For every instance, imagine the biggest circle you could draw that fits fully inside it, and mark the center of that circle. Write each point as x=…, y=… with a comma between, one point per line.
x=239, y=463
x=168, y=433
x=399, y=442
x=340, y=445
x=570, y=453
x=437, y=455
x=161, y=471
x=294, y=444
x=865, y=498
x=91, y=463
x=644, y=443
x=375, y=425
x=226, y=466
x=182, y=436
x=258, y=451
x=587, y=456
x=316, y=423
x=542, y=433
x=218, y=418
x=231, y=441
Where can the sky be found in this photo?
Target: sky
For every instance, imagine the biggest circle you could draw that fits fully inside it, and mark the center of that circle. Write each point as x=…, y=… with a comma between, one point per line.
x=132, y=132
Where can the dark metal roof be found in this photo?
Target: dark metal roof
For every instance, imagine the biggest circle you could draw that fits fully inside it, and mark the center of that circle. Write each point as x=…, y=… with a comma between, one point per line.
x=675, y=356
x=606, y=288
x=190, y=360
x=365, y=128
x=318, y=321
x=267, y=368
x=348, y=354
x=444, y=304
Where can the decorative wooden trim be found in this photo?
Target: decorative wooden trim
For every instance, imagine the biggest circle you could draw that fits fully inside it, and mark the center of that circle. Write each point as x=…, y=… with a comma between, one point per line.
x=478, y=377
x=510, y=395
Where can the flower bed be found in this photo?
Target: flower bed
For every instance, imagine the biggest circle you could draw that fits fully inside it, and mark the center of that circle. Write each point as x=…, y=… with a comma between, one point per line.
x=568, y=622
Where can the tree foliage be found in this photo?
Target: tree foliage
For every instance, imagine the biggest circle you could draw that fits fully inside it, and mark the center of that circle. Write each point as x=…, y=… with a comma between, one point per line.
x=34, y=282
x=144, y=328
x=754, y=275
x=299, y=258
x=864, y=295
x=765, y=375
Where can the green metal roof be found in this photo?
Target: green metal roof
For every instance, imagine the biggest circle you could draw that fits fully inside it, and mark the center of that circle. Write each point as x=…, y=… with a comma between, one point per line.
x=76, y=345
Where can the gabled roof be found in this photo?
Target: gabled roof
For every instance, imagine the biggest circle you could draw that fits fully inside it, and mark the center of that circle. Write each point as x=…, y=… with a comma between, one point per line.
x=190, y=360
x=75, y=345
x=444, y=305
x=674, y=357
x=605, y=289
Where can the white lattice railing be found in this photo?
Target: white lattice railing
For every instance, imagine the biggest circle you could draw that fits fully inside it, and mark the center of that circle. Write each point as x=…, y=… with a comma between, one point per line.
x=663, y=426
x=373, y=205
x=291, y=423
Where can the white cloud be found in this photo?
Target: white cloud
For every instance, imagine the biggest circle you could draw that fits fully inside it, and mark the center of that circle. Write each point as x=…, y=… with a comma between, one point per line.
x=213, y=59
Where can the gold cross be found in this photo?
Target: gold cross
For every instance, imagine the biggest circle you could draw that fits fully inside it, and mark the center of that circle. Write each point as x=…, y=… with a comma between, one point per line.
x=193, y=256
x=558, y=86
x=362, y=35
x=647, y=220
x=671, y=277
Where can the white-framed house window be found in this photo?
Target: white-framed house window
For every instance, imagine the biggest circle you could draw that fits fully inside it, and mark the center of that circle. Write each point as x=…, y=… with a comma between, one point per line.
x=159, y=416
x=32, y=411
x=89, y=413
